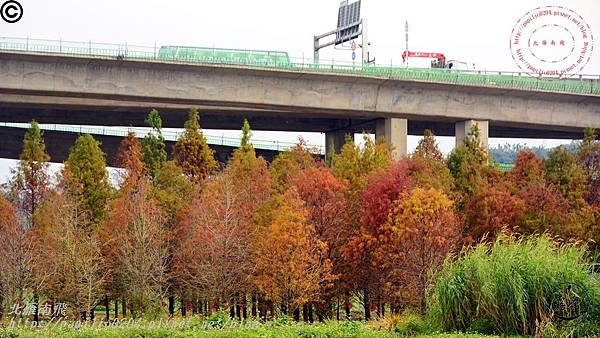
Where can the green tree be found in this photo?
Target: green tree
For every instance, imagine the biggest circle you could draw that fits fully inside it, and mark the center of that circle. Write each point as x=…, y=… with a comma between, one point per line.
x=86, y=179
x=589, y=158
x=245, y=144
x=427, y=168
x=30, y=182
x=172, y=189
x=192, y=153
x=567, y=175
x=153, y=144
x=469, y=163
x=356, y=164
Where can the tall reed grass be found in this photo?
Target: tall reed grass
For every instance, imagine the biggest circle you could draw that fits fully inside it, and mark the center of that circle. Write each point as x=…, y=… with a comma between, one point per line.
x=512, y=287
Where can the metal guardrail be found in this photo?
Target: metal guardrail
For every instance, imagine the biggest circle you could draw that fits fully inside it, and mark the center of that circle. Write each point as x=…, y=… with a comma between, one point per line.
x=582, y=84
x=169, y=135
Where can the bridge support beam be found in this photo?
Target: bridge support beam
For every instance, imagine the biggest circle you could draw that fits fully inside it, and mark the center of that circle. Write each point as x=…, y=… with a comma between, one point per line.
x=395, y=132
x=334, y=140
x=462, y=129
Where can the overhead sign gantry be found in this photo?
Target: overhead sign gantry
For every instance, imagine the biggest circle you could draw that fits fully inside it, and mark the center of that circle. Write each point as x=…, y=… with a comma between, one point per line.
x=350, y=26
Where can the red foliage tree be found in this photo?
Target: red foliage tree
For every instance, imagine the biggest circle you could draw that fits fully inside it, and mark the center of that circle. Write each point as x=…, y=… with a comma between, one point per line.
x=491, y=209
x=367, y=249
x=324, y=199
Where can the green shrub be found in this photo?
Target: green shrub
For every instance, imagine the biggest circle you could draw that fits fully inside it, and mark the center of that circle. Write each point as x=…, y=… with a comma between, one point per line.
x=512, y=287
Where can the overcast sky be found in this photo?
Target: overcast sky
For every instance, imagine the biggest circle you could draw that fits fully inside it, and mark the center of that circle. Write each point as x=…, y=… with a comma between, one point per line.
x=473, y=31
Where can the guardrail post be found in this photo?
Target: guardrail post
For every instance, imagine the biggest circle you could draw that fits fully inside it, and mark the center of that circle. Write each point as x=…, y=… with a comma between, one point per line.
x=27, y=45
x=60, y=45
x=90, y=49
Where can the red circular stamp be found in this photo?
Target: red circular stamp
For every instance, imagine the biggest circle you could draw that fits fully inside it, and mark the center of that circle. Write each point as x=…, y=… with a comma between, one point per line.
x=551, y=40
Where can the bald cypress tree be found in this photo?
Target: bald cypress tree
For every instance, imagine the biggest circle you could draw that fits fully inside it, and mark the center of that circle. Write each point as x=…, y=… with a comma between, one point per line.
x=30, y=182
x=192, y=153
x=245, y=144
x=153, y=145
x=86, y=179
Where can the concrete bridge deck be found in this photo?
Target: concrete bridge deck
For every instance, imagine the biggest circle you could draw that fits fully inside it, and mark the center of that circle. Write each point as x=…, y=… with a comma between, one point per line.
x=83, y=89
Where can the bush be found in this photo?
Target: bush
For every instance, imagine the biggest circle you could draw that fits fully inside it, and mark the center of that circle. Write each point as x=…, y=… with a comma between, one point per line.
x=513, y=287
x=409, y=323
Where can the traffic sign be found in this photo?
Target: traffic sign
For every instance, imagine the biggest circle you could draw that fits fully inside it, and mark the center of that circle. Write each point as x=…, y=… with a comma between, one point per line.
x=353, y=55
x=353, y=46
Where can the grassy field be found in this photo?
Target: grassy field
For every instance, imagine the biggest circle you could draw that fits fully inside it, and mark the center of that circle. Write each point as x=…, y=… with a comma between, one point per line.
x=329, y=330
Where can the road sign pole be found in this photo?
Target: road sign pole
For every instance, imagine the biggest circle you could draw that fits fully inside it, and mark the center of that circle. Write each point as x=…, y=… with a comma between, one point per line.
x=365, y=43
x=406, y=50
x=316, y=49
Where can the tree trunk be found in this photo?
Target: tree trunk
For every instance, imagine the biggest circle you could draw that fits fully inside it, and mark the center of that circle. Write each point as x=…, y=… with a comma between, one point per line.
x=183, y=308
x=171, y=306
x=305, y=313
x=124, y=307
x=347, y=310
x=116, y=308
x=36, y=309
x=237, y=308
x=254, y=305
x=232, y=309
x=367, y=304
x=262, y=308
x=92, y=312
x=106, y=308
x=379, y=311
x=244, y=307
x=310, y=314
x=297, y=314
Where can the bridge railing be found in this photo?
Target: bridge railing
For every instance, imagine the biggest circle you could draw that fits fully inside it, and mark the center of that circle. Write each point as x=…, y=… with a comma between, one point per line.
x=169, y=135
x=576, y=84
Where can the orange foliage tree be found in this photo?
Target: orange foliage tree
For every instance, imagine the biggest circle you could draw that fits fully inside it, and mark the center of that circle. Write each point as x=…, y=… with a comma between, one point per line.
x=291, y=263
x=16, y=256
x=135, y=236
x=425, y=229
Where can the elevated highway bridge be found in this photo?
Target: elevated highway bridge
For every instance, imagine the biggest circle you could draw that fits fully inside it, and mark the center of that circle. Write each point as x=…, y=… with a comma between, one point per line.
x=112, y=85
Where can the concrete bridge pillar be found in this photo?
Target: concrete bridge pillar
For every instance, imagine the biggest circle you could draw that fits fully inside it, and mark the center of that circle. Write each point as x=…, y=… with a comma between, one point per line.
x=336, y=139
x=462, y=128
x=395, y=132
